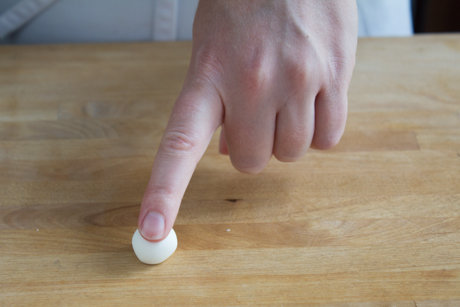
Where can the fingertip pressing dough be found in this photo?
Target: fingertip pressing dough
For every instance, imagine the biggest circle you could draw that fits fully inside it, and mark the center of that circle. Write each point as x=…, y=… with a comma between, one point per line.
x=154, y=252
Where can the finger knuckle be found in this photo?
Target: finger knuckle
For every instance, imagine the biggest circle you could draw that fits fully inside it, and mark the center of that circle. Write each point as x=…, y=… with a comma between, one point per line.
x=207, y=62
x=297, y=72
x=327, y=141
x=256, y=76
x=248, y=169
x=339, y=70
x=293, y=144
x=286, y=157
x=292, y=147
x=249, y=166
x=177, y=142
x=160, y=194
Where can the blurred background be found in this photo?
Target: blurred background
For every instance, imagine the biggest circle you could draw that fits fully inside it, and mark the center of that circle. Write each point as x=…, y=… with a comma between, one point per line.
x=431, y=16
x=80, y=21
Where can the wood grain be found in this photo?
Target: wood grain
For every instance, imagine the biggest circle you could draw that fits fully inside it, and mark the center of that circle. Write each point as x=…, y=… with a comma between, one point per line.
x=373, y=222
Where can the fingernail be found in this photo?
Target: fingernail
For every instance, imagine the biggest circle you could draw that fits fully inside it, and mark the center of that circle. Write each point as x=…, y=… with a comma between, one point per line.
x=153, y=226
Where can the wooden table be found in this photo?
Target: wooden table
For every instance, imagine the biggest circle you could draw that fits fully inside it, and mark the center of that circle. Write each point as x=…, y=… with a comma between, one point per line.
x=376, y=219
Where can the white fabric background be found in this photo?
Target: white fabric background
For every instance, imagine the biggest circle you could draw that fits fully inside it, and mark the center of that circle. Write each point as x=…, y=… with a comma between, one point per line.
x=67, y=21
x=385, y=18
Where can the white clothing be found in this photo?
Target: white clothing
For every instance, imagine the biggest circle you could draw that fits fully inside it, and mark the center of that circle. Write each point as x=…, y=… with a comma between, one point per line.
x=384, y=18
x=66, y=21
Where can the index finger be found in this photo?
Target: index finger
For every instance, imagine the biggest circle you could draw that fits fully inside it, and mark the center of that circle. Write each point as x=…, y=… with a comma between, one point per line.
x=195, y=117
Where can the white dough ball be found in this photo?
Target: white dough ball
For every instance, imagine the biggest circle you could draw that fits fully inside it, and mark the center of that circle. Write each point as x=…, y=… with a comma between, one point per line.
x=154, y=252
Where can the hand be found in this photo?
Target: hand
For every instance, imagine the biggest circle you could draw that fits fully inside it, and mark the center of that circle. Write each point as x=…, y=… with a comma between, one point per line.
x=274, y=74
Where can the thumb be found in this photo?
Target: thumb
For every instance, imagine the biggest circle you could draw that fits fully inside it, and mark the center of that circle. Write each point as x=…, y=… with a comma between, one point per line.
x=195, y=117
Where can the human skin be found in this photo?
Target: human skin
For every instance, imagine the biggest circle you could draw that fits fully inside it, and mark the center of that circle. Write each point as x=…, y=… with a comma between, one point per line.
x=273, y=73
